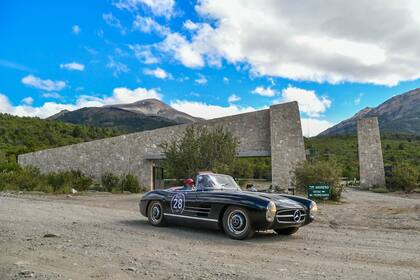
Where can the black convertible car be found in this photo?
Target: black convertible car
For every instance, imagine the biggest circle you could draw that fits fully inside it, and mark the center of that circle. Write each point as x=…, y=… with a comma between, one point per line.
x=218, y=202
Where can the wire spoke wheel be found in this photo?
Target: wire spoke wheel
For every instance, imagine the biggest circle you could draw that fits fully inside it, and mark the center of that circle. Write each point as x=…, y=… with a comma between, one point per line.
x=236, y=223
x=155, y=213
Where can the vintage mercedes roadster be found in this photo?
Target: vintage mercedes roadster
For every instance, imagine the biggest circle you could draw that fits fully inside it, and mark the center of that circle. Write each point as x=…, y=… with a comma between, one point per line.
x=217, y=201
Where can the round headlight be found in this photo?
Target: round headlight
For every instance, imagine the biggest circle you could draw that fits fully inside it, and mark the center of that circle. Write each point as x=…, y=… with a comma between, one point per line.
x=313, y=208
x=270, y=213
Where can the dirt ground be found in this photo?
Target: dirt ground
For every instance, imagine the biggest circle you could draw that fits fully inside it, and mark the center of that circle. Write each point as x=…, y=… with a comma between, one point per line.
x=368, y=236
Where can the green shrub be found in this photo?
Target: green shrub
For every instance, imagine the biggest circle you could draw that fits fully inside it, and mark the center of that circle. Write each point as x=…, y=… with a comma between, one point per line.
x=71, y=179
x=79, y=181
x=129, y=183
x=319, y=172
x=26, y=179
x=404, y=177
x=110, y=181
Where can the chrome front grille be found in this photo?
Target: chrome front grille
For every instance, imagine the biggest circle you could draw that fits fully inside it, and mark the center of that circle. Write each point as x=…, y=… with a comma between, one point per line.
x=291, y=216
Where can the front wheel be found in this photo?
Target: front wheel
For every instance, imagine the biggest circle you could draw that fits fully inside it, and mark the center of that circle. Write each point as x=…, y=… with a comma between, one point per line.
x=155, y=214
x=286, y=231
x=237, y=224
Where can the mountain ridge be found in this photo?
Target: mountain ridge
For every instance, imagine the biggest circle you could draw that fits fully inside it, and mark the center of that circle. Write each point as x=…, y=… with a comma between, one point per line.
x=138, y=116
x=398, y=114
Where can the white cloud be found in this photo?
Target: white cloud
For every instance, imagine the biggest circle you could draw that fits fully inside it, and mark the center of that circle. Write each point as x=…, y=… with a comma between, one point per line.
x=76, y=29
x=268, y=91
x=73, y=66
x=113, y=21
x=119, y=95
x=207, y=111
x=226, y=80
x=318, y=42
x=178, y=46
x=308, y=101
x=158, y=73
x=312, y=127
x=116, y=67
x=47, y=85
x=149, y=25
x=201, y=80
x=54, y=95
x=189, y=25
x=157, y=7
x=144, y=54
x=28, y=100
x=233, y=98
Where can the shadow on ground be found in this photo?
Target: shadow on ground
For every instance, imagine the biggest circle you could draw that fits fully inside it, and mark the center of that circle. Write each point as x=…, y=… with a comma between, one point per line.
x=200, y=234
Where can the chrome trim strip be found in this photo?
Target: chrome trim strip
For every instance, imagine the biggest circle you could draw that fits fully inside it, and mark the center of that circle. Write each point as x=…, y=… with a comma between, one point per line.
x=193, y=218
x=288, y=216
x=290, y=222
x=293, y=209
x=204, y=208
x=196, y=211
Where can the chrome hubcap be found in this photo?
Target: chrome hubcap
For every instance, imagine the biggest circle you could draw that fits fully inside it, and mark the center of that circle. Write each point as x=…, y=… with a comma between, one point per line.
x=237, y=222
x=156, y=213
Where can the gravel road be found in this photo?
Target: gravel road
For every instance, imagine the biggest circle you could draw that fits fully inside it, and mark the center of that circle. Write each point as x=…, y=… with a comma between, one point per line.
x=368, y=236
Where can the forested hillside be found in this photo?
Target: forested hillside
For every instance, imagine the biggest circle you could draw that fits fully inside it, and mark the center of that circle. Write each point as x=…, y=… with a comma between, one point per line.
x=23, y=134
x=396, y=148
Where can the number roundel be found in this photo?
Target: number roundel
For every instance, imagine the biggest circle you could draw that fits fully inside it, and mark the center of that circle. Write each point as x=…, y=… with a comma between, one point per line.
x=178, y=203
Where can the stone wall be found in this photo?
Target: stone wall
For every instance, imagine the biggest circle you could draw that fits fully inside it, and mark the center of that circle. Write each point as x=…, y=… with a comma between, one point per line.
x=133, y=152
x=287, y=146
x=371, y=164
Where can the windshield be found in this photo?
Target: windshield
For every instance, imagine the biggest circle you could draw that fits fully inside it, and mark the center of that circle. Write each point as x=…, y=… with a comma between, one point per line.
x=217, y=181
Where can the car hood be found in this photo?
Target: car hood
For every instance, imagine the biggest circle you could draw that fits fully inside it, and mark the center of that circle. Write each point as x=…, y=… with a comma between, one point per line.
x=278, y=199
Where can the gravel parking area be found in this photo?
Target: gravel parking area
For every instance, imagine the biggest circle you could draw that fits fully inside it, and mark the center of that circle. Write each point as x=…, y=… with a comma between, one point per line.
x=367, y=236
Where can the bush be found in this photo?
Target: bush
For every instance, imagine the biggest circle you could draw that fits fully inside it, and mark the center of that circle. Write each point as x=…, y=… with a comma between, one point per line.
x=404, y=176
x=129, y=183
x=110, y=181
x=26, y=179
x=80, y=182
x=63, y=181
x=316, y=172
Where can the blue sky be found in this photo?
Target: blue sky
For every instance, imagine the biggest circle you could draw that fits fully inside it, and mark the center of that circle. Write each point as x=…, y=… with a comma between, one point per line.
x=208, y=58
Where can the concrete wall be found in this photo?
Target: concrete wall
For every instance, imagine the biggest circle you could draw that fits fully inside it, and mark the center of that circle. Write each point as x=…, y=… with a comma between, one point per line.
x=371, y=164
x=132, y=152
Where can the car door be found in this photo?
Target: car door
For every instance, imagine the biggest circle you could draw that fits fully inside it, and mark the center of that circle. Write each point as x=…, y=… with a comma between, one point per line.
x=204, y=206
x=178, y=203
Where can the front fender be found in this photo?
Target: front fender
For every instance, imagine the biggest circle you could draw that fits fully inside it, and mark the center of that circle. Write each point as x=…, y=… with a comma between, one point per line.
x=149, y=196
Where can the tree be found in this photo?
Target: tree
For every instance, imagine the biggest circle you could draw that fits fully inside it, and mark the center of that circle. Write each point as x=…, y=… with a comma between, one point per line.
x=200, y=149
x=404, y=176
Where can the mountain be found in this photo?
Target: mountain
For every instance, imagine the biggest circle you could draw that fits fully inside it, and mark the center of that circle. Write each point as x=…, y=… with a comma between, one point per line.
x=399, y=114
x=138, y=116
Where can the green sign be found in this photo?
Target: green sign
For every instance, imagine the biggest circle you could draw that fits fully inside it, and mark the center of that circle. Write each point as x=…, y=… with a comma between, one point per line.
x=320, y=192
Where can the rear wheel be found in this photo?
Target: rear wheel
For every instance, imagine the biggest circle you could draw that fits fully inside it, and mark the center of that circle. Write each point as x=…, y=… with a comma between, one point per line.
x=155, y=214
x=287, y=231
x=237, y=224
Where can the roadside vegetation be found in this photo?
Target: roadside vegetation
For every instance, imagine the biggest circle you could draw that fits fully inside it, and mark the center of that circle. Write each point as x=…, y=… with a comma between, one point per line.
x=319, y=172
x=29, y=179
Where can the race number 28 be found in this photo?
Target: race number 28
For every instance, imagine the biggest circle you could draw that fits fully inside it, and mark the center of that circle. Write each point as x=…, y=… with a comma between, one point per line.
x=178, y=203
